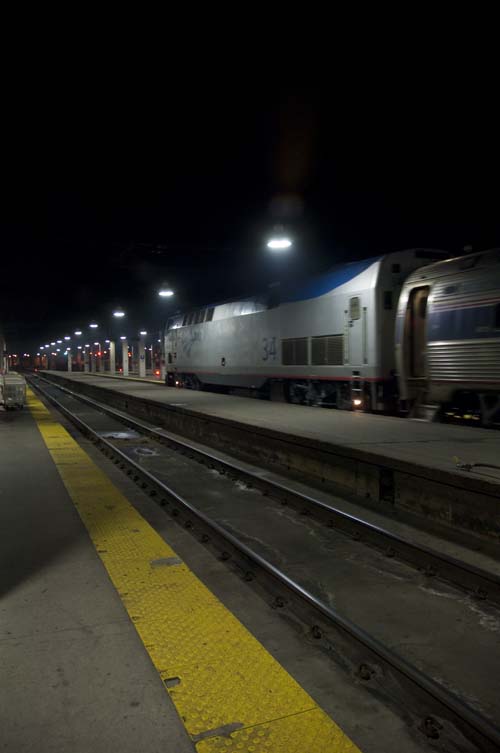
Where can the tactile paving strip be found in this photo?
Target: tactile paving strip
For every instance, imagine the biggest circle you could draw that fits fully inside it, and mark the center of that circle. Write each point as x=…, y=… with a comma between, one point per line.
x=231, y=694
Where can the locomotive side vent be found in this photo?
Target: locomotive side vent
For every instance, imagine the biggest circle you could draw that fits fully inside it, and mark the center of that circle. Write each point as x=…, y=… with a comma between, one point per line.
x=294, y=351
x=327, y=350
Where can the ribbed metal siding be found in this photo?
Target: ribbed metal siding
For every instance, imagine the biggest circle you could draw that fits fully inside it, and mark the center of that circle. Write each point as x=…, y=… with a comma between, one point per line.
x=463, y=288
x=467, y=360
x=327, y=350
x=294, y=351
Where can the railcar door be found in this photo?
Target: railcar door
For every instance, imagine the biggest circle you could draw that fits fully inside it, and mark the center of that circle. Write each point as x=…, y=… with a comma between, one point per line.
x=357, y=347
x=415, y=333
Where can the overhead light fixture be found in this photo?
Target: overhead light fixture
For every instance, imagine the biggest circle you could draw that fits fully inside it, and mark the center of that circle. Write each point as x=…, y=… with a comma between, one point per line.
x=143, y=332
x=165, y=290
x=78, y=332
x=119, y=313
x=122, y=337
x=67, y=337
x=279, y=244
x=93, y=325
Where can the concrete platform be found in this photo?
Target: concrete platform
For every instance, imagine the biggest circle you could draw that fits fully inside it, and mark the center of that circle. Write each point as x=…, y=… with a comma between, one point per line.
x=99, y=617
x=74, y=672
x=396, y=463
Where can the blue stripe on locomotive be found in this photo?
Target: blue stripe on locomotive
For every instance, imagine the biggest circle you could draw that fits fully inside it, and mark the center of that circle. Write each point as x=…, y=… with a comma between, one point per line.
x=317, y=286
x=469, y=323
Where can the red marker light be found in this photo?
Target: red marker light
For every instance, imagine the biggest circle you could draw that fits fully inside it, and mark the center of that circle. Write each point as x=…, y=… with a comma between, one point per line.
x=157, y=372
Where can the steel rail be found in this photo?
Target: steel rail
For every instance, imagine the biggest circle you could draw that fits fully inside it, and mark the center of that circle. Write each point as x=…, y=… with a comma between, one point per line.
x=482, y=584
x=433, y=712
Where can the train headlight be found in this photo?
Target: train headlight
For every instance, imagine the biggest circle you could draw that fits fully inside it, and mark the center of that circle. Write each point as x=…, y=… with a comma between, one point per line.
x=357, y=402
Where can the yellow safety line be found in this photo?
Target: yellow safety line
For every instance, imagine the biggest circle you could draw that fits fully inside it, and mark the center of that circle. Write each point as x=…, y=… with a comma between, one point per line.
x=228, y=690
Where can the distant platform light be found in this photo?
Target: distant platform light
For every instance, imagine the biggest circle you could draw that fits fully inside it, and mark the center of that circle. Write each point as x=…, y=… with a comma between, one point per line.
x=119, y=313
x=78, y=332
x=53, y=343
x=88, y=345
x=47, y=345
x=79, y=347
x=279, y=244
x=67, y=337
x=59, y=341
x=96, y=343
x=122, y=337
x=107, y=341
x=143, y=332
x=93, y=325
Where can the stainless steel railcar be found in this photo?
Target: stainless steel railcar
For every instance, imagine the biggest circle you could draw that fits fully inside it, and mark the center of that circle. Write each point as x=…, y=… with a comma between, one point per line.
x=448, y=338
x=328, y=341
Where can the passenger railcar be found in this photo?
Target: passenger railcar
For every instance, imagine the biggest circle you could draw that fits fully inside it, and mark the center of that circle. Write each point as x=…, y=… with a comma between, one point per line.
x=448, y=338
x=328, y=341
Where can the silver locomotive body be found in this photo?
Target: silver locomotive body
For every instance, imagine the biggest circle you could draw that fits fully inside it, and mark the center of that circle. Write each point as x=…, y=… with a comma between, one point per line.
x=327, y=341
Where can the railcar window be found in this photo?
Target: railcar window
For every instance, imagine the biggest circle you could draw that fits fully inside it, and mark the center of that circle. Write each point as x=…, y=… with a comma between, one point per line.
x=210, y=315
x=200, y=316
x=184, y=320
x=354, y=308
x=449, y=289
x=388, y=299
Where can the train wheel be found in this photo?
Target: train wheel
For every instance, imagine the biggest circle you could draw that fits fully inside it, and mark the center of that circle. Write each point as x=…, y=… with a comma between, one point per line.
x=296, y=392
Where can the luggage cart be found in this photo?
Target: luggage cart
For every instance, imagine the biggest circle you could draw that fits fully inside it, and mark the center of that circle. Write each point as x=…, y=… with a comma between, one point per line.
x=13, y=391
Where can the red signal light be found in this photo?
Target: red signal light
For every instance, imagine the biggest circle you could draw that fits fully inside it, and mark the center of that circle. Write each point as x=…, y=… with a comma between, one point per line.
x=157, y=372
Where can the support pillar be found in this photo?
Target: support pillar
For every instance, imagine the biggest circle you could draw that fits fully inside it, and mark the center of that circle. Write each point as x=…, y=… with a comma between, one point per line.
x=125, y=358
x=93, y=361
x=163, y=364
x=86, y=359
x=112, y=357
x=142, y=358
x=70, y=363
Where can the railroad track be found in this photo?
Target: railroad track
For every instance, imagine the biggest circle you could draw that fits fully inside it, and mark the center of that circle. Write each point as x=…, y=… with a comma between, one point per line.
x=440, y=716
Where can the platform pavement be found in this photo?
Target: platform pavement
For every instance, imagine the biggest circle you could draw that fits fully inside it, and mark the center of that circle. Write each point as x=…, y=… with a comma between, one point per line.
x=74, y=673
x=433, y=445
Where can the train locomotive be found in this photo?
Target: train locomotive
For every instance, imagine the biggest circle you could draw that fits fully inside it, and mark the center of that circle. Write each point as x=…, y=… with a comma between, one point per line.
x=393, y=333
